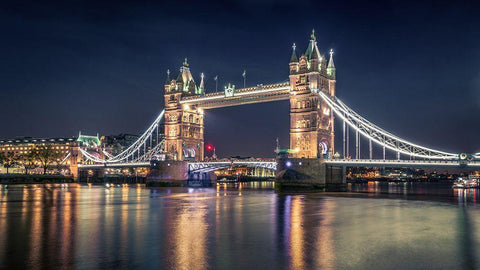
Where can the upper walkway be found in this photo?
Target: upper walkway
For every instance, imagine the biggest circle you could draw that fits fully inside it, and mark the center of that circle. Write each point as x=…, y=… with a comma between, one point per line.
x=249, y=95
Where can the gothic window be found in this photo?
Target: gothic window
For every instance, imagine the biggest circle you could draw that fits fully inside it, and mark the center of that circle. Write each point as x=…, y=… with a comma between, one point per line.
x=190, y=118
x=299, y=124
x=172, y=132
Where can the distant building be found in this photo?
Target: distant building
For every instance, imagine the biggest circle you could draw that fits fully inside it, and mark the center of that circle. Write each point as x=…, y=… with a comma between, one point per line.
x=23, y=145
x=114, y=144
x=67, y=147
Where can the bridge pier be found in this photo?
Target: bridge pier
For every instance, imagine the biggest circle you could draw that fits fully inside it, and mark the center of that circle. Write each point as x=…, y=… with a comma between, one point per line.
x=308, y=174
x=95, y=176
x=200, y=179
x=168, y=173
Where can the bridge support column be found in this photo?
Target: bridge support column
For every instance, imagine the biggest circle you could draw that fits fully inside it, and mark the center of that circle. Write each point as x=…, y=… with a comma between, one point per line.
x=201, y=179
x=308, y=175
x=95, y=175
x=168, y=173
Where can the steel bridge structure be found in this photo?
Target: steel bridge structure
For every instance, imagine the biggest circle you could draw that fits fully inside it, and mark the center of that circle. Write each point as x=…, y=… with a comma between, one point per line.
x=177, y=132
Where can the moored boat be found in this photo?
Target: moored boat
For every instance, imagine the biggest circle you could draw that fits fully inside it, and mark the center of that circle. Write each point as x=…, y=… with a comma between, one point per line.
x=472, y=181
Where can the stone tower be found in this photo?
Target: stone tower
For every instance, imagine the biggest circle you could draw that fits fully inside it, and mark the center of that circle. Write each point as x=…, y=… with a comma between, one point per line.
x=183, y=124
x=311, y=120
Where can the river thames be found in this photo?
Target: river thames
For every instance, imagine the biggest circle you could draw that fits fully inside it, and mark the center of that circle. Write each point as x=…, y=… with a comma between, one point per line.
x=246, y=226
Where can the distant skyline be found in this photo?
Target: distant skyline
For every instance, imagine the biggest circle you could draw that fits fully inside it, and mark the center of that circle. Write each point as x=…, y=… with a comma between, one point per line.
x=412, y=68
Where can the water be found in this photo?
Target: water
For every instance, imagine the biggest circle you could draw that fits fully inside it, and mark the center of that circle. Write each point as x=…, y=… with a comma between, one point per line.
x=379, y=226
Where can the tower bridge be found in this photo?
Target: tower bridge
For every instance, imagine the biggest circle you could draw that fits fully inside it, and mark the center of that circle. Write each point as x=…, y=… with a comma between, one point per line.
x=313, y=107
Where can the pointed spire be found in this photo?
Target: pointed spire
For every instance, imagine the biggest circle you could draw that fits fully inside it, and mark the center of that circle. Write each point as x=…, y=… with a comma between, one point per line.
x=294, y=58
x=185, y=63
x=331, y=66
x=311, y=46
x=202, y=83
x=315, y=54
x=180, y=78
x=330, y=62
x=168, y=77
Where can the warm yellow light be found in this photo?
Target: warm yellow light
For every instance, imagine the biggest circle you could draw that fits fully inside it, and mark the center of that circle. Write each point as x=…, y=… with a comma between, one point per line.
x=326, y=111
x=200, y=110
x=186, y=107
x=296, y=150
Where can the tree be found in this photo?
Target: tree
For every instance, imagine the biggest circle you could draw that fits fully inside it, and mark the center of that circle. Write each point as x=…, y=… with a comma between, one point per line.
x=29, y=160
x=47, y=155
x=2, y=157
x=8, y=160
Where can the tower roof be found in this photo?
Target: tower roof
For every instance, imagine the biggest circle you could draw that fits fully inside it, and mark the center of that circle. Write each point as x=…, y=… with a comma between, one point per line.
x=186, y=76
x=331, y=64
x=168, y=77
x=202, y=83
x=315, y=53
x=312, y=49
x=294, y=57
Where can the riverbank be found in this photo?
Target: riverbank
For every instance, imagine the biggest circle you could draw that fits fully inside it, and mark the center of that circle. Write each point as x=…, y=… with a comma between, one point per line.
x=34, y=179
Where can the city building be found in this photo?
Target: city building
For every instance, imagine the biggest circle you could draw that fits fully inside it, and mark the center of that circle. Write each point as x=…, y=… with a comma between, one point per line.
x=114, y=144
x=24, y=145
x=67, y=147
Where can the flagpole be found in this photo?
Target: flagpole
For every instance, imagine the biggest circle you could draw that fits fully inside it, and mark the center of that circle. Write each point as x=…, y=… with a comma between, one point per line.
x=216, y=83
x=244, y=78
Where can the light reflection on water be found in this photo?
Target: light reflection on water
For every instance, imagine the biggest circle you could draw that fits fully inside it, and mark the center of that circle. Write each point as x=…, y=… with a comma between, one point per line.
x=239, y=226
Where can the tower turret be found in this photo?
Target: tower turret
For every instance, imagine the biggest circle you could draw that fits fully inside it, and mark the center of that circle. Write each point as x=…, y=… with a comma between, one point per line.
x=311, y=121
x=168, y=82
x=331, y=65
x=202, y=84
x=315, y=58
x=179, y=82
x=293, y=60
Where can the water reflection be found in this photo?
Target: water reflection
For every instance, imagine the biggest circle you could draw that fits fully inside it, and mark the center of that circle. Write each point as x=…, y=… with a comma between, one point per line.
x=325, y=258
x=380, y=226
x=441, y=191
x=188, y=231
x=296, y=232
x=35, y=224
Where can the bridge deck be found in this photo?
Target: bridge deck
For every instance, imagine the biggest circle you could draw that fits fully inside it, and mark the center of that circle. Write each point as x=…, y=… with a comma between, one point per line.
x=401, y=163
x=271, y=164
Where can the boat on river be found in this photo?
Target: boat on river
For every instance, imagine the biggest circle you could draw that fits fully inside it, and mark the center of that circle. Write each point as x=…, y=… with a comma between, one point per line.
x=472, y=181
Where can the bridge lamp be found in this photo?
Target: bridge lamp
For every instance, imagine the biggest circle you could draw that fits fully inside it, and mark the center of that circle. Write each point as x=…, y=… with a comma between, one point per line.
x=296, y=150
x=326, y=111
x=288, y=164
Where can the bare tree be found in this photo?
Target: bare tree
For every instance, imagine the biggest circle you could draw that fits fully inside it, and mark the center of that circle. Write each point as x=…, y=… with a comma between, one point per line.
x=29, y=160
x=47, y=155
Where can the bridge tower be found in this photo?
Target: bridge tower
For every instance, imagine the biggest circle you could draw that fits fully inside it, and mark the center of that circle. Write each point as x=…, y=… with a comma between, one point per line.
x=183, y=124
x=311, y=120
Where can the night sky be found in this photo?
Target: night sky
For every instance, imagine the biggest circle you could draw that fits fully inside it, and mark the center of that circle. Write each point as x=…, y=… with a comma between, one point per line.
x=412, y=68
